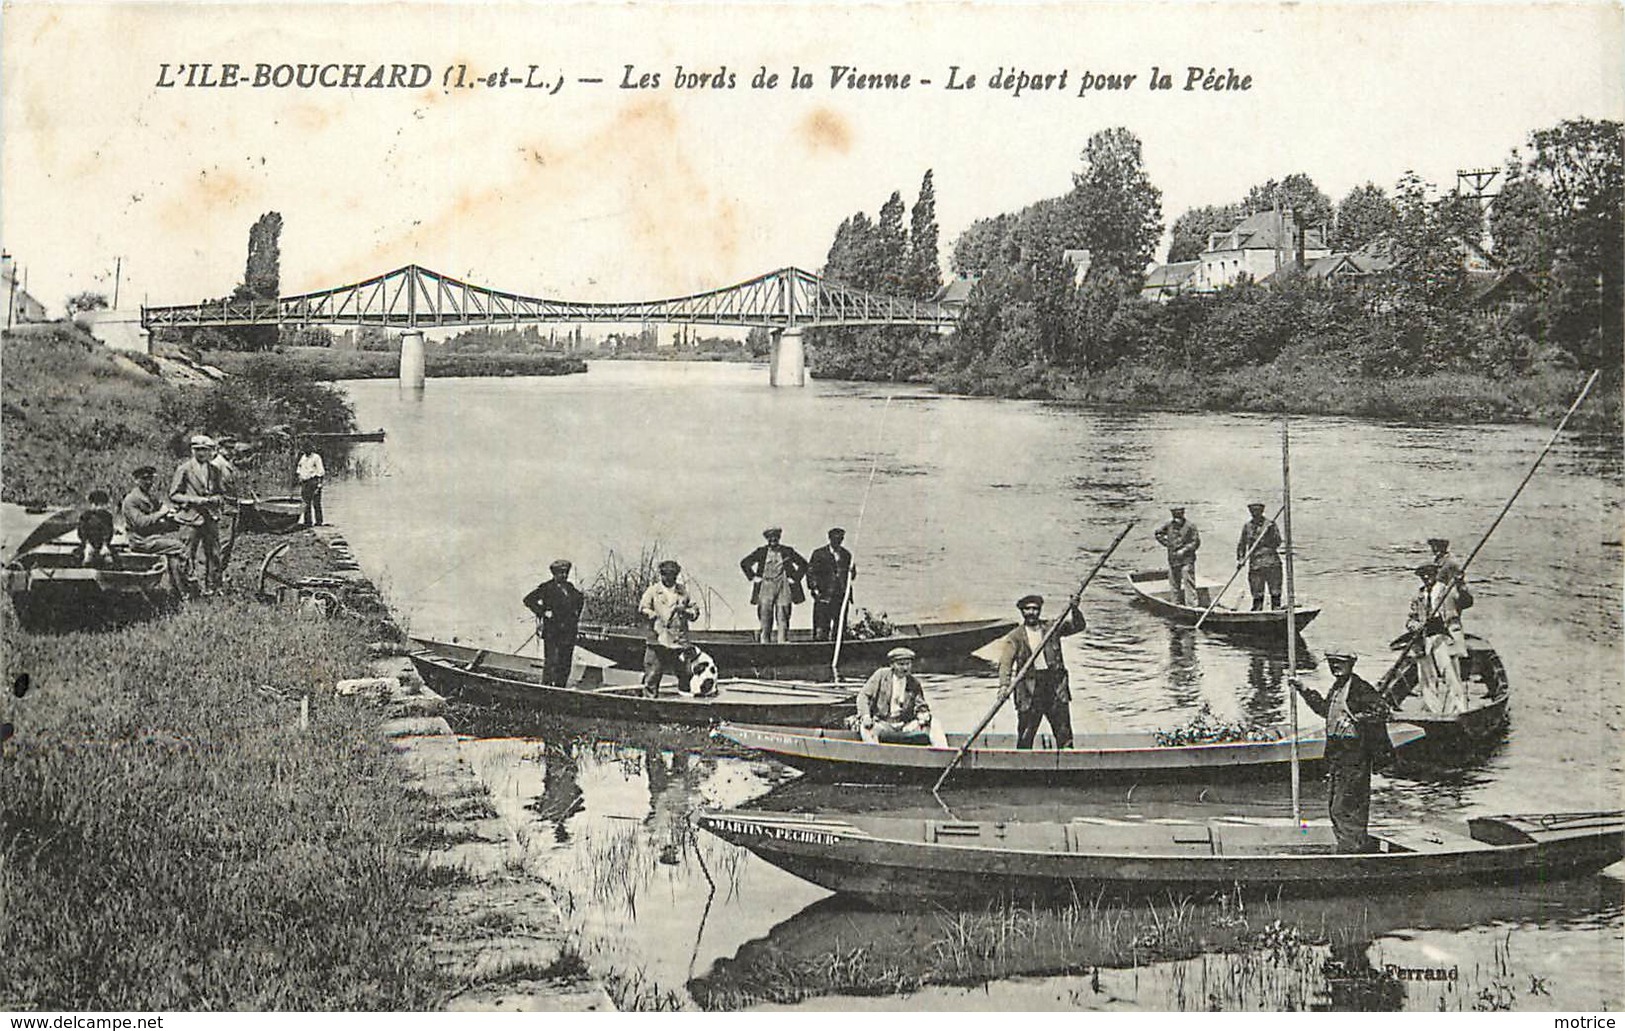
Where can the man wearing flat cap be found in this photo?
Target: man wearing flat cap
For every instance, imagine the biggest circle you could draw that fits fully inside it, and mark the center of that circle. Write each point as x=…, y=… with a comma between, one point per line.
x=1043, y=692
x=198, y=493
x=557, y=605
x=1356, y=741
x=1260, y=548
x=669, y=609
x=148, y=524
x=892, y=707
x=774, y=571
x=1181, y=540
x=828, y=572
x=1434, y=648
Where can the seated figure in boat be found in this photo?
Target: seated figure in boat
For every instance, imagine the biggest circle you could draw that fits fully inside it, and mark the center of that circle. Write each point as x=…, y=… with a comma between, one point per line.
x=1263, y=558
x=1438, y=654
x=1356, y=743
x=151, y=530
x=96, y=531
x=702, y=672
x=892, y=707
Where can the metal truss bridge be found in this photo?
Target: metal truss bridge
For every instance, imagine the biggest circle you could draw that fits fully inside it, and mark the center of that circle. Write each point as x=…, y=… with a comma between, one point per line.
x=418, y=298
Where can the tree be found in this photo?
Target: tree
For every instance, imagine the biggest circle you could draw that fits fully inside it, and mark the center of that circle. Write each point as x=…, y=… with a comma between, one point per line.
x=1191, y=230
x=891, y=247
x=924, y=276
x=85, y=301
x=1118, y=208
x=1523, y=227
x=262, y=275
x=1366, y=214
x=984, y=246
x=1298, y=192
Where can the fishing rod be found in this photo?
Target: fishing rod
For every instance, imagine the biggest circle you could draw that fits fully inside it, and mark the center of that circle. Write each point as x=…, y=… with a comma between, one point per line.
x=851, y=567
x=1022, y=672
x=1386, y=685
x=1239, y=566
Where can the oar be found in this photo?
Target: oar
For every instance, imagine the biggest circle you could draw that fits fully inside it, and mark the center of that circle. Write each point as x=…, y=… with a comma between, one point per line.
x=1022, y=672
x=1385, y=685
x=1239, y=566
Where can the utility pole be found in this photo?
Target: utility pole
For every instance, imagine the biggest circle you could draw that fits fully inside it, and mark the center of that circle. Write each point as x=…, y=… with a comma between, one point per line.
x=118, y=271
x=1475, y=183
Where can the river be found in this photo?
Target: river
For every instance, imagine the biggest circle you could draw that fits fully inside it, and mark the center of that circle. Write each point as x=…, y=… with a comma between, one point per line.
x=953, y=508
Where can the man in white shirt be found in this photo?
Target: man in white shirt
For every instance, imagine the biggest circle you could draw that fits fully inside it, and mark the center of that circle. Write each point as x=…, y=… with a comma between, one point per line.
x=892, y=707
x=669, y=609
x=311, y=473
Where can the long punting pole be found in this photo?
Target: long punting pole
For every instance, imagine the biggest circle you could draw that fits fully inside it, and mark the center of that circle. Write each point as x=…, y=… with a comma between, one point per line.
x=1239, y=567
x=1291, y=602
x=998, y=703
x=1385, y=685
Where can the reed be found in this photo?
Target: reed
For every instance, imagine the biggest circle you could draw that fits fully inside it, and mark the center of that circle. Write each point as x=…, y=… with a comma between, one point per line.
x=614, y=593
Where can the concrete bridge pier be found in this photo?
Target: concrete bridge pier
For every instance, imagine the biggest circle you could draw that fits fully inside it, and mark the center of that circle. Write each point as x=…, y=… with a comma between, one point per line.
x=412, y=359
x=787, y=366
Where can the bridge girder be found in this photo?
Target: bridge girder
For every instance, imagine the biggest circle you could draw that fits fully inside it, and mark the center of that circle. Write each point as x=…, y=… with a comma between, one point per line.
x=413, y=297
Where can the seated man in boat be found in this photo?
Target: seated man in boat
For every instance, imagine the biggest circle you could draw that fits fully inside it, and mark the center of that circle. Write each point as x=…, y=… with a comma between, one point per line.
x=669, y=609
x=1260, y=548
x=702, y=672
x=96, y=531
x=1181, y=540
x=1043, y=692
x=149, y=526
x=891, y=705
x=1356, y=743
x=1437, y=671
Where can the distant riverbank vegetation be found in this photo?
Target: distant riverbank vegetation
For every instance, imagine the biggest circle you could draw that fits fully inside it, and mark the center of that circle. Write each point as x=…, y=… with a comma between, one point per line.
x=325, y=363
x=1423, y=308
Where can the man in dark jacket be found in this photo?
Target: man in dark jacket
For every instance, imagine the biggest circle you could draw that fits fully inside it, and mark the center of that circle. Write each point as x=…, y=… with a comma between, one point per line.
x=1356, y=742
x=1043, y=692
x=1264, y=562
x=149, y=526
x=775, y=571
x=1181, y=540
x=557, y=605
x=828, y=571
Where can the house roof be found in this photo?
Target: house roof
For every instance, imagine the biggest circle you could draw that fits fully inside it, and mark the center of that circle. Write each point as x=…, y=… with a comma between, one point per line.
x=1262, y=231
x=956, y=290
x=1172, y=274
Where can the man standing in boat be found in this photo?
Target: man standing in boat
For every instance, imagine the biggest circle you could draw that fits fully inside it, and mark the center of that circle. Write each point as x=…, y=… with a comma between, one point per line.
x=775, y=571
x=557, y=605
x=1264, y=560
x=1043, y=692
x=1356, y=742
x=828, y=571
x=669, y=609
x=1454, y=577
x=1433, y=609
x=892, y=707
x=1181, y=540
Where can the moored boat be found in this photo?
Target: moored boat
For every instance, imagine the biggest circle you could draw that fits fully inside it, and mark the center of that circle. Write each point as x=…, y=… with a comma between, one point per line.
x=270, y=515
x=842, y=754
x=892, y=861
x=51, y=590
x=1151, y=589
x=1455, y=737
x=483, y=676
x=938, y=647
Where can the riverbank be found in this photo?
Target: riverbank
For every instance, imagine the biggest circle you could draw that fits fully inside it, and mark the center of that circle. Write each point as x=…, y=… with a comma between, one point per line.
x=325, y=363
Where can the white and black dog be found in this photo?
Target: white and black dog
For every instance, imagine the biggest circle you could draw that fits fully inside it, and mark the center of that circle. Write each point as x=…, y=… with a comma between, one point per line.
x=702, y=672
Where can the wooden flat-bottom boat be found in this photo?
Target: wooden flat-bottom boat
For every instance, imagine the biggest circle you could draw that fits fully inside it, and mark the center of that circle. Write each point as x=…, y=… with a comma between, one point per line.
x=1151, y=589
x=842, y=754
x=51, y=590
x=1465, y=735
x=487, y=677
x=270, y=515
x=892, y=861
x=939, y=647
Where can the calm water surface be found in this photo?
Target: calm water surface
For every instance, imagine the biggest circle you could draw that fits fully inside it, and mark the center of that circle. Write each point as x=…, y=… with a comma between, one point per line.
x=954, y=508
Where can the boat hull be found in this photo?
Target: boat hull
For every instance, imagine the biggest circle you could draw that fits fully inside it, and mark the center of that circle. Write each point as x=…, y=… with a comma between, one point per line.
x=50, y=591
x=893, y=862
x=939, y=648
x=469, y=680
x=841, y=755
x=270, y=515
x=1151, y=590
x=1465, y=736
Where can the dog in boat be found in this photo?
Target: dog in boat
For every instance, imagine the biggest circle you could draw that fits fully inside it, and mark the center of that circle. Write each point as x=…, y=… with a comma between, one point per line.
x=702, y=672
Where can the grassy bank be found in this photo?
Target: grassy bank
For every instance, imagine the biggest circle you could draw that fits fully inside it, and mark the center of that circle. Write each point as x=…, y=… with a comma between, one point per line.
x=1441, y=398
x=324, y=363
x=170, y=838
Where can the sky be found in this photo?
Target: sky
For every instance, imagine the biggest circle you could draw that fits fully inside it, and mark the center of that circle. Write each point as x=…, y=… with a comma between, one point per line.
x=611, y=192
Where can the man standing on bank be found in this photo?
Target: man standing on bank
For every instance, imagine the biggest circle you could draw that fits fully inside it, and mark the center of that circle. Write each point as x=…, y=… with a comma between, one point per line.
x=311, y=472
x=557, y=605
x=828, y=571
x=1264, y=565
x=198, y=491
x=1356, y=742
x=669, y=609
x=775, y=573
x=1043, y=693
x=1181, y=540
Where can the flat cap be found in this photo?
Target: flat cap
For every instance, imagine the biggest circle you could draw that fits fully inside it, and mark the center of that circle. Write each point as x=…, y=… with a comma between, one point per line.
x=773, y=531
x=1256, y=506
x=144, y=470
x=1439, y=540
x=1339, y=652
x=836, y=530
x=1176, y=510
x=900, y=653
x=202, y=440
x=1030, y=599
x=670, y=564
x=559, y=565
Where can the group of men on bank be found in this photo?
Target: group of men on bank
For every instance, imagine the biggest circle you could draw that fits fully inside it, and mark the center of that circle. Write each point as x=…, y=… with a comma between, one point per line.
x=189, y=524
